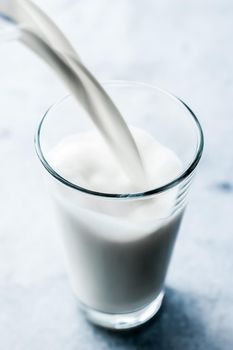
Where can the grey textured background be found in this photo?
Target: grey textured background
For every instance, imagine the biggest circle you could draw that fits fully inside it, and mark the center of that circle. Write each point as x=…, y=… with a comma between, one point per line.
x=184, y=47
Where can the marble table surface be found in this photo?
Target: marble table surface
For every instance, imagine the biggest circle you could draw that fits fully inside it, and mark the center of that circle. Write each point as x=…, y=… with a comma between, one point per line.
x=184, y=47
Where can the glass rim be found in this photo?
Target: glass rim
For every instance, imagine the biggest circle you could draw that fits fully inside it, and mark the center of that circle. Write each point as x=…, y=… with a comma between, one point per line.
x=157, y=190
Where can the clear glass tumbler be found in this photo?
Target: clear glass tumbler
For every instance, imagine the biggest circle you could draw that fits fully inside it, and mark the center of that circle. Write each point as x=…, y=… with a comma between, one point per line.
x=117, y=264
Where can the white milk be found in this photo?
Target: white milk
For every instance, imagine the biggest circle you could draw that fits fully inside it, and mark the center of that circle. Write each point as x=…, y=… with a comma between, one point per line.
x=117, y=250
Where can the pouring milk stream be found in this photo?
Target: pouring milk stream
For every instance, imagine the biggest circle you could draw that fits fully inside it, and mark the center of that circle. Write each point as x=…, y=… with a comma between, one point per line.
x=42, y=36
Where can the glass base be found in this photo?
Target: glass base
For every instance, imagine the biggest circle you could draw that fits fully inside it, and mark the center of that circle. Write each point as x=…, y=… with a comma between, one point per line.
x=124, y=321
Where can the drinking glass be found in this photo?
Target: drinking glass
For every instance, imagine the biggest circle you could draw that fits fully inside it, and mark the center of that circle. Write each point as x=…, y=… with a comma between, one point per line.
x=117, y=262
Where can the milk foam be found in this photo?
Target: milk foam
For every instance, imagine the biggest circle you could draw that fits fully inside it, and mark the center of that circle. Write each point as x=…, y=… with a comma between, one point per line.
x=84, y=160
